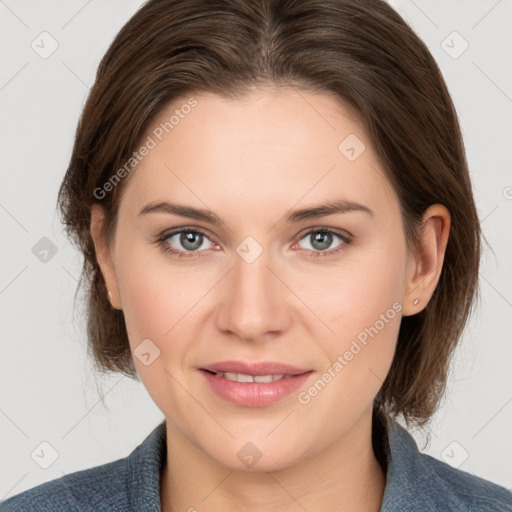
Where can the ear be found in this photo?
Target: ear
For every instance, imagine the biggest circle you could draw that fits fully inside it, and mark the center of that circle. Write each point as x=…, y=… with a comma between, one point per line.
x=104, y=254
x=425, y=265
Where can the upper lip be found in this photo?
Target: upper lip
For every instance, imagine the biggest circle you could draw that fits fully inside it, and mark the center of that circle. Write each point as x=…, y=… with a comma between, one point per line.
x=257, y=368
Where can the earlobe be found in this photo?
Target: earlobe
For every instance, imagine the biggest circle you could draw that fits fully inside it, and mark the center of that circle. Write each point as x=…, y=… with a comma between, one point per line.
x=104, y=255
x=424, y=267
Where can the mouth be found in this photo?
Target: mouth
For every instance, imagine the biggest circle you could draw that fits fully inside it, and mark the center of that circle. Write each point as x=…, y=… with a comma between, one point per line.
x=254, y=384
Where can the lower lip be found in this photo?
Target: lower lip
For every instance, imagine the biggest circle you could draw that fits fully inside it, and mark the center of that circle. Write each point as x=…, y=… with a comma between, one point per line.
x=254, y=394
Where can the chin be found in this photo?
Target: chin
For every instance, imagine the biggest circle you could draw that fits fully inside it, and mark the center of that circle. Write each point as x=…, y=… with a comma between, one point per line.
x=251, y=458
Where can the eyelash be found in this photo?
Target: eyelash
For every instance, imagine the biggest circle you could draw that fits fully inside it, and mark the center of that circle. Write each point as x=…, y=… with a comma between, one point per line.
x=346, y=239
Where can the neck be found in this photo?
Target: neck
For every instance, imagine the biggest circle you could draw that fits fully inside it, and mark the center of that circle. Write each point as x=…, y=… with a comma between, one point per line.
x=346, y=477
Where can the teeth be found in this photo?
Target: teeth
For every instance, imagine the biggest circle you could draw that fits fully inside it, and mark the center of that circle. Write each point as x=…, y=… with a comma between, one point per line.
x=267, y=378
x=242, y=377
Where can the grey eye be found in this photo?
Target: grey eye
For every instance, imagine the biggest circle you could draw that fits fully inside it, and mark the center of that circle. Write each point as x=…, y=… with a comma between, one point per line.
x=189, y=240
x=321, y=240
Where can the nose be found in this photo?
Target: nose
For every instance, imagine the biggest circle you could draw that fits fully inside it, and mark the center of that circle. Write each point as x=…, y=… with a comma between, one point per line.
x=255, y=302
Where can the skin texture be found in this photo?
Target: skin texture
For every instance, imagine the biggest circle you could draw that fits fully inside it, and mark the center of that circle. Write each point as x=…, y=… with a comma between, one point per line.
x=252, y=161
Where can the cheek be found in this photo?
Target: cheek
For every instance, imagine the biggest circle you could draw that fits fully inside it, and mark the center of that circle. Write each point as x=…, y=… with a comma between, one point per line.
x=160, y=304
x=352, y=296
x=362, y=307
x=159, y=300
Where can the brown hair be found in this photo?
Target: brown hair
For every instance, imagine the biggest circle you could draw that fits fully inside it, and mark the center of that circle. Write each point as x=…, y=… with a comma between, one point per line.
x=361, y=52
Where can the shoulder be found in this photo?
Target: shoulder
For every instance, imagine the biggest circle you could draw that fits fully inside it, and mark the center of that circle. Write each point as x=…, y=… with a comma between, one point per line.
x=416, y=481
x=91, y=489
x=476, y=493
x=130, y=483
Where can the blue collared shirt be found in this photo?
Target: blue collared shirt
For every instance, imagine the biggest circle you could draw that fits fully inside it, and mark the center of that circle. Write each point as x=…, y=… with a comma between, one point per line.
x=414, y=482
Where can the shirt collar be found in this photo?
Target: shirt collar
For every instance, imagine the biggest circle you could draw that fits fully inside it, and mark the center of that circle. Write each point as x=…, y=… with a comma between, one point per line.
x=145, y=466
x=414, y=481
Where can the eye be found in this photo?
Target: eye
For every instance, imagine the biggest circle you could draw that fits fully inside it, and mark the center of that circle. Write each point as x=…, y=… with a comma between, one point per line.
x=184, y=242
x=320, y=239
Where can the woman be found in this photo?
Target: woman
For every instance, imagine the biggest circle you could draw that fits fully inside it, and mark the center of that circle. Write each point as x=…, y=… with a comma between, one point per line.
x=281, y=243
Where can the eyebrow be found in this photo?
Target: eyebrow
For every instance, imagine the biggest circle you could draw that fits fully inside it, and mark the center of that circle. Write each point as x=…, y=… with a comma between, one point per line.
x=313, y=212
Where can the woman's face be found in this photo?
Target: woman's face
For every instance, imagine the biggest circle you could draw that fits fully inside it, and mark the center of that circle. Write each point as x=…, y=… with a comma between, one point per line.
x=321, y=292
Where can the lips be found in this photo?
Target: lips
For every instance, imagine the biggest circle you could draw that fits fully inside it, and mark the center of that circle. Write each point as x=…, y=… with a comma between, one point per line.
x=254, y=384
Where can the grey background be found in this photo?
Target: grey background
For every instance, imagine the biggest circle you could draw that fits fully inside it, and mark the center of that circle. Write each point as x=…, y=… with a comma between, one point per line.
x=49, y=394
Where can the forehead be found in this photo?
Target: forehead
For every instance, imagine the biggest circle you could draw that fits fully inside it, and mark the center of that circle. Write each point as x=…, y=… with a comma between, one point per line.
x=271, y=146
